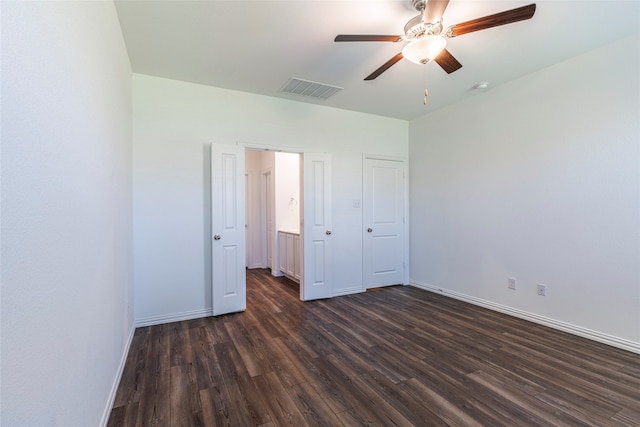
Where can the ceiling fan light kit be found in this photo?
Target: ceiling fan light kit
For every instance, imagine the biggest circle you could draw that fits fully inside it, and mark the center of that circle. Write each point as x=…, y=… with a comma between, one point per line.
x=424, y=49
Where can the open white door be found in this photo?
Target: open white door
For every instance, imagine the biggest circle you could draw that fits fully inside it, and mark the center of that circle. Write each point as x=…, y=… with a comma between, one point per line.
x=316, y=227
x=383, y=217
x=227, y=226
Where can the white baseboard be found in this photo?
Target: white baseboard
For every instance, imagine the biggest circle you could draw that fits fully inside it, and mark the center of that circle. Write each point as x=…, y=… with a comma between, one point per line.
x=175, y=317
x=116, y=382
x=535, y=318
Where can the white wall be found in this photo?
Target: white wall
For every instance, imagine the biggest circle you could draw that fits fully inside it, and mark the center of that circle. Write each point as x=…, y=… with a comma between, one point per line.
x=174, y=123
x=538, y=179
x=67, y=308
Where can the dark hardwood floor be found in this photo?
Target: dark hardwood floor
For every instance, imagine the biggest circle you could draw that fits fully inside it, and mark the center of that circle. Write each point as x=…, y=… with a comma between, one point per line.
x=392, y=356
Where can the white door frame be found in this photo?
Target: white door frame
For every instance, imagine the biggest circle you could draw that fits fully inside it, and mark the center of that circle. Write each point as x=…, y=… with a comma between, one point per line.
x=404, y=161
x=248, y=226
x=266, y=212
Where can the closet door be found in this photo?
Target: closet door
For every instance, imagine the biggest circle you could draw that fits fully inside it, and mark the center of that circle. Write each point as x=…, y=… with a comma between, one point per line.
x=384, y=222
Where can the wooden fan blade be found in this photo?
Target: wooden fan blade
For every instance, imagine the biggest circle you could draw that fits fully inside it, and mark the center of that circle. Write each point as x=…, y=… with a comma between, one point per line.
x=384, y=67
x=490, y=21
x=366, y=38
x=434, y=10
x=447, y=61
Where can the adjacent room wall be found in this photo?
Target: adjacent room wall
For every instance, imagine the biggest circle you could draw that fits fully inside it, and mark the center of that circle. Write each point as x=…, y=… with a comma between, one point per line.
x=538, y=180
x=287, y=195
x=175, y=123
x=67, y=300
x=254, y=161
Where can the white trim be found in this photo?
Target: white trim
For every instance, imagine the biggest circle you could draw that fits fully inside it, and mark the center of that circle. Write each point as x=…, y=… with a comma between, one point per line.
x=611, y=340
x=248, y=145
x=116, y=383
x=384, y=157
x=175, y=317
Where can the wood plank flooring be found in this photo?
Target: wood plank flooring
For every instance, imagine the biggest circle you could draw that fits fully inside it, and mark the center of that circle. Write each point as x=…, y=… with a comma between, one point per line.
x=393, y=356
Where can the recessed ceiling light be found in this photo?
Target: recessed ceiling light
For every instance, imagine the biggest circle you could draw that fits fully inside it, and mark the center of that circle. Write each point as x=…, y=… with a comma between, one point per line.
x=481, y=86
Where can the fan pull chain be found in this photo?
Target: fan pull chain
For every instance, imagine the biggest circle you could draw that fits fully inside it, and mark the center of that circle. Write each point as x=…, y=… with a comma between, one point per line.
x=426, y=92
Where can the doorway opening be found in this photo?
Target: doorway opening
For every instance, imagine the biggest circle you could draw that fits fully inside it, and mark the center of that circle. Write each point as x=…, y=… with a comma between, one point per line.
x=273, y=212
x=229, y=227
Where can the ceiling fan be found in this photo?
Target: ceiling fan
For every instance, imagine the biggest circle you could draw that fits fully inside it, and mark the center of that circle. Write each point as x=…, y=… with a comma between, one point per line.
x=427, y=37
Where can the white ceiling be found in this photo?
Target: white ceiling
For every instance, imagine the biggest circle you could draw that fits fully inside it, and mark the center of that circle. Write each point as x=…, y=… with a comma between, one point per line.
x=256, y=46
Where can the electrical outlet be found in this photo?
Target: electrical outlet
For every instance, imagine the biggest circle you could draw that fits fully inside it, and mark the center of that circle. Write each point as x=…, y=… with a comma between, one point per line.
x=511, y=283
x=542, y=290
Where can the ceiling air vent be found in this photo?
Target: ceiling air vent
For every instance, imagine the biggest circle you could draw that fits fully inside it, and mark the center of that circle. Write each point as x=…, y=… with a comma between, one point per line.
x=311, y=89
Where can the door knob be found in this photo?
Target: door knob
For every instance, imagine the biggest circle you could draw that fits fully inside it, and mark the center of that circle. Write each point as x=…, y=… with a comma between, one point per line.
x=328, y=232
x=369, y=230
x=216, y=237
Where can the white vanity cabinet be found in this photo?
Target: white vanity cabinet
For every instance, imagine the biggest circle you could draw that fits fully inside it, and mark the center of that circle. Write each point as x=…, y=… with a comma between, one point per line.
x=289, y=251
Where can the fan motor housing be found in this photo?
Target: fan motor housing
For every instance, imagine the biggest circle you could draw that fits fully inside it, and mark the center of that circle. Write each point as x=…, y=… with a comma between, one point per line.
x=416, y=28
